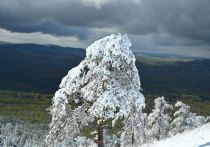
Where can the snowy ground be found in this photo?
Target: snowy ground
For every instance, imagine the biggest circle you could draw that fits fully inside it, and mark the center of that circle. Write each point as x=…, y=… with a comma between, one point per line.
x=199, y=137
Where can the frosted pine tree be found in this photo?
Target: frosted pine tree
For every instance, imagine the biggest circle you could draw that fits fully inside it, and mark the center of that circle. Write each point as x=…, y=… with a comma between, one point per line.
x=158, y=120
x=179, y=124
x=105, y=84
x=135, y=132
x=184, y=119
x=110, y=139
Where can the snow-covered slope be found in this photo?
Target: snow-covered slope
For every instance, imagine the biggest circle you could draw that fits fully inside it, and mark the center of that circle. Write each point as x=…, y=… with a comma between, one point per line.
x=199, y=137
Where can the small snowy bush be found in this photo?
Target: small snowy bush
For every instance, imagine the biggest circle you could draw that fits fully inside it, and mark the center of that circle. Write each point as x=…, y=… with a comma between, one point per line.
x=21, y=134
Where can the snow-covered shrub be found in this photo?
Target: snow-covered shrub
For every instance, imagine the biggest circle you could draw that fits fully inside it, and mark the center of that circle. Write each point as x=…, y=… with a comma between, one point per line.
x=208, y=119
x=184, y=119
x=106, y=85
x=200, y=120
x=159, y=120
x=21, y=134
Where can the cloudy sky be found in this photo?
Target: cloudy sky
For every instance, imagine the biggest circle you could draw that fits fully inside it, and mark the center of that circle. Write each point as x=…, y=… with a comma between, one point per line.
x=165, y=26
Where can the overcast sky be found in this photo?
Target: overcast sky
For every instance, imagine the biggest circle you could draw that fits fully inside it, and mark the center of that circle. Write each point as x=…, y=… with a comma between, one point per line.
x=168, y=26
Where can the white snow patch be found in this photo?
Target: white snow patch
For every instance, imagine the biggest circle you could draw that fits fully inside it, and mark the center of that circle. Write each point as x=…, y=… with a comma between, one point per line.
x=199, y=137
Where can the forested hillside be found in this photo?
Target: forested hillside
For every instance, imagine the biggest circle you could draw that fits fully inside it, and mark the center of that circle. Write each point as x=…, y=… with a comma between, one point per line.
x=33, y=72
x=30, y=67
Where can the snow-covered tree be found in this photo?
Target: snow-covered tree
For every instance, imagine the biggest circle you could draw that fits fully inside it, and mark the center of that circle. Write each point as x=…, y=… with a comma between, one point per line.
x=184, y=119
x=110, y=139
x=135, y=132
x=179, y=124
x=159, y=119
x=105, y=84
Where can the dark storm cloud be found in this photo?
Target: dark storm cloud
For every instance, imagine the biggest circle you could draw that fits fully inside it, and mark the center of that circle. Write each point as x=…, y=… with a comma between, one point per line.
x=48, y=26
x=185, y=22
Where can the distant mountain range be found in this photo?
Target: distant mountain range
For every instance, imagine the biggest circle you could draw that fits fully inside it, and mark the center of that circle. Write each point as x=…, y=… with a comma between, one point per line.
x=160, y=59
x=32, y=67
x=165, y=55
x=41, y=49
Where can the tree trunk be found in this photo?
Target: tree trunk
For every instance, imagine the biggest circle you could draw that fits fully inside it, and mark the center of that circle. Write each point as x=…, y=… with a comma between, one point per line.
x=100, y=135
